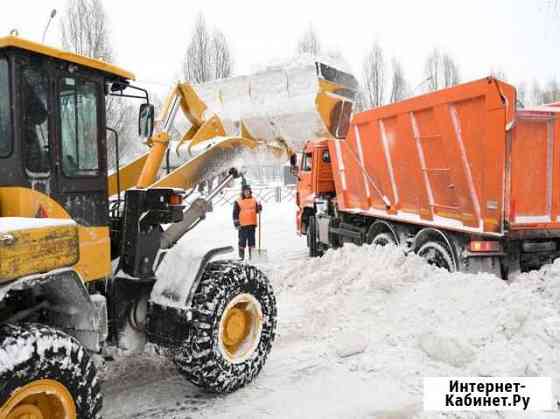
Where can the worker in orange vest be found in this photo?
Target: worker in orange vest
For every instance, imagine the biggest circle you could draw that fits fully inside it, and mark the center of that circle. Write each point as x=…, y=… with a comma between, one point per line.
x=245, y=211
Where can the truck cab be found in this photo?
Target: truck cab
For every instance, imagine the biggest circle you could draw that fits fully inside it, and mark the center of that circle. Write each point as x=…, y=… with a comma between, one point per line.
x=315, y=180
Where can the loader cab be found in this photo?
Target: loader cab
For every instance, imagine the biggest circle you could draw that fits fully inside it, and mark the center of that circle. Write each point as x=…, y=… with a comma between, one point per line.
x=53, y=145
x=315, y=178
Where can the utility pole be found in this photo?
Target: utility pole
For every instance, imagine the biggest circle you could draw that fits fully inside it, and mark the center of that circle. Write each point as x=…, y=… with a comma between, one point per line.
x=51, y=17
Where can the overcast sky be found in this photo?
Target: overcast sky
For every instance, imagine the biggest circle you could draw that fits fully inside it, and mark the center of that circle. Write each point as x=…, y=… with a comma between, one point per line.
x=519, y=37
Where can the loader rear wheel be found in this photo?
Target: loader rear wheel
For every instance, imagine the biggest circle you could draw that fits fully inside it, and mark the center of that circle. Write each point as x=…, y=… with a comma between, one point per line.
x=438, y=254
x=46, y=375
x=234, y=324
x=312, y=239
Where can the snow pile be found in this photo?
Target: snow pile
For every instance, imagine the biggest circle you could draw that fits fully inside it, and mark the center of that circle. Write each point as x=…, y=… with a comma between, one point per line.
x=358, y=331
x=418, y=321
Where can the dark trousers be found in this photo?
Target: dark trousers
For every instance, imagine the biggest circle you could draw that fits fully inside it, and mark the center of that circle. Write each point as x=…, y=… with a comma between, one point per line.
x=246, y=236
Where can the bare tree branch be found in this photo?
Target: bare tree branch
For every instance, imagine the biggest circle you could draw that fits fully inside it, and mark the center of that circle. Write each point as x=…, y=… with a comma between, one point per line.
x=498, y=74
x=399, y=86
x=373, y=76
x=85, y=30
x=223, y=61
x=208, y=54
x=441, y=70
x=309, y=43
x=541, y=95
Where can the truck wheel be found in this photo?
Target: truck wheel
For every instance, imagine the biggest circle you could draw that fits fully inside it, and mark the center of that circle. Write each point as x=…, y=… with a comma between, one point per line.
x=234, y=324
x=383, y=239
x=438, y=254
x=45, y=373
x=312, y=239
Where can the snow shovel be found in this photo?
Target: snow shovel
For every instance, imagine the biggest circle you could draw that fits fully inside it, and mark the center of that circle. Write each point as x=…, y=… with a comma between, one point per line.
x=261, y=255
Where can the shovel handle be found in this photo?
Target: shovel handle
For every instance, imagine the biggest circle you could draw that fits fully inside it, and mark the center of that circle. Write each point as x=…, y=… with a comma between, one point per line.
x=259, y=231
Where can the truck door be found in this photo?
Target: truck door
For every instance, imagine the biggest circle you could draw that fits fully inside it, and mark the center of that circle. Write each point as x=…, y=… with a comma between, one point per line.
x=305, y=184
x=36, y=125
x=81, y=172
x=323, y=176
x=81, y=168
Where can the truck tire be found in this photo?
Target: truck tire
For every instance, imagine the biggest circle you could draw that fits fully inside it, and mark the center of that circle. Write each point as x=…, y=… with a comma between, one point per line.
x=438, y=254
x=234, y=325
x=383, y=239
x=312, y=239
x=48, y=374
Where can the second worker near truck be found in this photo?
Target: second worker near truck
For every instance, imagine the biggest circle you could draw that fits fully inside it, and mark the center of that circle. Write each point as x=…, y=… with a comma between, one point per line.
x=245, y=211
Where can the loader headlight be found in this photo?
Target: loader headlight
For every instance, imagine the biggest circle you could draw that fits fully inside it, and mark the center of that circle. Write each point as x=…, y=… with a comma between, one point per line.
x=175, y=199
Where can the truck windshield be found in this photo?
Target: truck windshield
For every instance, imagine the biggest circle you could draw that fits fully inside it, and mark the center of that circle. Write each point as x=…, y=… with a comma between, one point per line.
x=5, y=122
x=306, y=162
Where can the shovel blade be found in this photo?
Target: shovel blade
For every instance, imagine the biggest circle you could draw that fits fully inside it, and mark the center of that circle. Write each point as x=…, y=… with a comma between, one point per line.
x=260, y=256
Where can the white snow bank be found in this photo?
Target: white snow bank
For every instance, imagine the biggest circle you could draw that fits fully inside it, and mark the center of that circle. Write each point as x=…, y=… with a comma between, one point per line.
x=8, y=224
x=421, y=321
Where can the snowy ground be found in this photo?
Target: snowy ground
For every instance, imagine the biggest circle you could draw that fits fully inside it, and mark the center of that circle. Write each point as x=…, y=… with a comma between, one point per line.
x=358, y=330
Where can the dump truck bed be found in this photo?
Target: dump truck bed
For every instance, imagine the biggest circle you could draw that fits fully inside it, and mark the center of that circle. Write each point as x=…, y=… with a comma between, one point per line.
x=461, y=158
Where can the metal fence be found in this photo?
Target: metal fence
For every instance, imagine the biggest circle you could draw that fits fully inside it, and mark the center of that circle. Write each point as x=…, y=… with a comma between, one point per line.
x=265, y=194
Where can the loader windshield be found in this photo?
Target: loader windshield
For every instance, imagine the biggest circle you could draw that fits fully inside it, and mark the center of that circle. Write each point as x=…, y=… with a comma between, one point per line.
x=5, y=122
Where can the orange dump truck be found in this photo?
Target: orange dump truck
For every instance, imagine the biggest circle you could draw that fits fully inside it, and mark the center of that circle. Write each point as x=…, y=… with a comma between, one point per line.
x=460, y=176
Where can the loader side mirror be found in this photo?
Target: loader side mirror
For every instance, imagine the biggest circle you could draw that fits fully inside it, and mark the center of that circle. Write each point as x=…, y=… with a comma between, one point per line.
x=146, y=120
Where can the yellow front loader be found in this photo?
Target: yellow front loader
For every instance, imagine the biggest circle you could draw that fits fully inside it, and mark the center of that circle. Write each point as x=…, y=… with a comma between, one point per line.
x=80, y=248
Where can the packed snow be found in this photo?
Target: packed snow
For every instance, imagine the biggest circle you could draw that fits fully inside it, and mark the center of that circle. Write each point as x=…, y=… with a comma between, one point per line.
x=358, y=330
x=8, y=224
x=278, y=102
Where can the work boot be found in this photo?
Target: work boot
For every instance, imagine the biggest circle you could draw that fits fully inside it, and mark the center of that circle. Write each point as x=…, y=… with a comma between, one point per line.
x=241, y=253
x=251, y=250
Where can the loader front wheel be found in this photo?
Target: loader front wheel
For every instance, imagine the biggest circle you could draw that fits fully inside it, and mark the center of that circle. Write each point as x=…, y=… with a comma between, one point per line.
x=233, y=327
x=45, y=374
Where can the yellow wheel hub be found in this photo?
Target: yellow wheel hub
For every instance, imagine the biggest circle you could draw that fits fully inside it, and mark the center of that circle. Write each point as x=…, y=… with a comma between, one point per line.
x=240, y=327
x=236, y=326
x=41, y=399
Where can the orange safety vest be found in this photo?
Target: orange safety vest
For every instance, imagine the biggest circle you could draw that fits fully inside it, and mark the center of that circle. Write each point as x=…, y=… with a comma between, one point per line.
x=247, y=211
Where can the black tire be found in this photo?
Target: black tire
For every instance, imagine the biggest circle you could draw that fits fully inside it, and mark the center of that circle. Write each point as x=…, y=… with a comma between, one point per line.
x=383, y=239
x=39, y=352
x=201, y=359
x=312, y=239
x=437, y=253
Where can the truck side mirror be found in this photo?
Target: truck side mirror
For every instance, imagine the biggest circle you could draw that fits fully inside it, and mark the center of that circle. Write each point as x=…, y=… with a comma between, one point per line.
x=146, y=120
x=293, y=165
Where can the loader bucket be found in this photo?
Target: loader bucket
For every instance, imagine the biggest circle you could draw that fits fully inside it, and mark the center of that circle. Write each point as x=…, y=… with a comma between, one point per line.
x=284, y=105
x=214, y=157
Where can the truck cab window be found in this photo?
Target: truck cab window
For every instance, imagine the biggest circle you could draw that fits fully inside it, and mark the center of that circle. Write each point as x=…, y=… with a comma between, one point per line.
x=35, y=130
x=306, y=162
x=5, y=122
x=78, y=121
